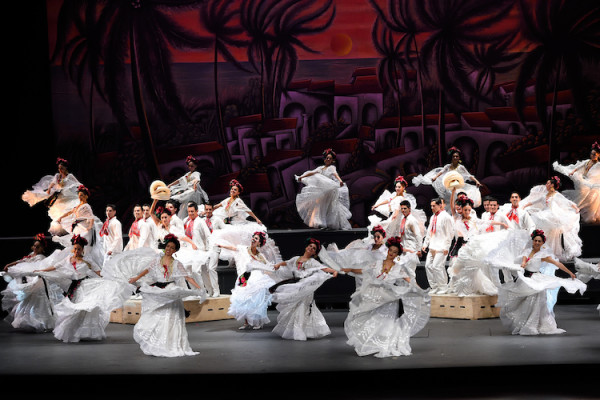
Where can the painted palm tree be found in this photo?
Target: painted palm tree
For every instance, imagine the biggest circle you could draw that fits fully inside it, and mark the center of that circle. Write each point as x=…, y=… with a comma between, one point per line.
x=297, y=18
x=141, y=31
x=491, y=59
x=391, y=67
x=219, y=18
x=78, y=51
x=257, y=17
x=565, y=36
x=401, y=18
x=456, y=25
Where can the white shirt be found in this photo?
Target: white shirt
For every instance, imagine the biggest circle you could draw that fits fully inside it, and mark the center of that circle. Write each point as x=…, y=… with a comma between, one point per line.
x=441, y=238
x=199, y=232
x=148, y=233
x=412, y=238
x=524, y=219
x=113, y=240
x=498, y=217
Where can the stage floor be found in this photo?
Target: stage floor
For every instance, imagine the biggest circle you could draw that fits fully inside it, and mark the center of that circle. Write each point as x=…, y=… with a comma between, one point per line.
x=451, y=359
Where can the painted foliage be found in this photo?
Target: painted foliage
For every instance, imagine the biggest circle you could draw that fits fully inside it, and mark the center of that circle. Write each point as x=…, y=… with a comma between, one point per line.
x=256, y=89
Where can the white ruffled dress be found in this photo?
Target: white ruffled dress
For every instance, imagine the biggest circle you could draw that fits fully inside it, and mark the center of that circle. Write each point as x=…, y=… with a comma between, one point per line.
x=65, y=190
x=183, y=192
x=392, y=226
x=86, y=314
x=322, y=202
x=524, y=308
x=373, y=325
x=29, y=299
x=251, y=298
x=472, y=191
x=586, y=193
x=161, y=330
x=299, y=317
x=556, y=216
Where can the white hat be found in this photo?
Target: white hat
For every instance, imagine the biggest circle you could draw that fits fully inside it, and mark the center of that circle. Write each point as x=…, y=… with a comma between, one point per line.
x=453, y=180
x=160, y=191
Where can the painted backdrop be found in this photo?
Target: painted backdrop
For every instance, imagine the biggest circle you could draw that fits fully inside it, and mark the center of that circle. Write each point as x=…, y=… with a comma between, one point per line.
x=257, y=89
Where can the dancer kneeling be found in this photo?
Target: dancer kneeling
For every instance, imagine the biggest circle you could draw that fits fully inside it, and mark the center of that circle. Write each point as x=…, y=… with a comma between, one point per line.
x=250, y=298
x=374, y=324
x=523, y=302
x=161, y=330
x=299, y=318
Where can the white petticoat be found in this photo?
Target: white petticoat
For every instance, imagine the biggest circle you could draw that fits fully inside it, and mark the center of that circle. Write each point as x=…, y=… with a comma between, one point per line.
x=249, y=303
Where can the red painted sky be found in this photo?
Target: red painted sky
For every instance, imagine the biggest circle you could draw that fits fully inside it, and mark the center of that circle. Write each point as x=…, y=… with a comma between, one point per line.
x=353, y=17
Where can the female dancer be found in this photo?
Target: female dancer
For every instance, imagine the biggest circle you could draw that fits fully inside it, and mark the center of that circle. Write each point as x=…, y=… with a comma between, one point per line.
x=29, y=299
x=85, y=311
x=299, y=318
x=523, y=302
x=468, y=274
x=360, y=252
x=238, y=230
x=187, y=188
x=388, y=205
x=161, y=330
x=587, y=271
x=324, y=201
x=432, y=178
x=586, y=178
x=557, y=217
x=58, y=192
x=373, y=325
x=78, y=221
x=250, y=298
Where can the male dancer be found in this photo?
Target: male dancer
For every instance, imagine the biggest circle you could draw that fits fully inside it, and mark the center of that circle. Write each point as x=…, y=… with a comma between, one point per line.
x=411, y=235
x=134, y=230
x=492, y=214
x=148, y=230
x=197, y=230
x=111, y=233
x=438, y=239
x=213, y=261
x=517, y=217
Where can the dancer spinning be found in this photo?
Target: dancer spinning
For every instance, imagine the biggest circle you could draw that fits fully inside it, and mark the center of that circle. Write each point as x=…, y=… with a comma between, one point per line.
x=299, y=318
x=373, y=325
x=187, y=188
x=359, y=252
x=85, y=311
x=557, y=216
x=250, y=298
x=29, y=299
x=523, y=302
x=324, y=201
x=388, y=205
x=585, y=175
x=161, y=330
x=432, y=178
x=58, y=192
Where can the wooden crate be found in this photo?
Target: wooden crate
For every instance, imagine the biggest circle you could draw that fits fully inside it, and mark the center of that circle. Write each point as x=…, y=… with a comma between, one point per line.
x=467, y=307
x=210, y=310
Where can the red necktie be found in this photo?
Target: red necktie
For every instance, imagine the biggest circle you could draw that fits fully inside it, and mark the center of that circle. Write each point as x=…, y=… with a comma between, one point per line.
x=189, y=228
x=209, y=224
x=402, y=227
x=104, y=230
x=467, y=225
x=166, y=268
x=134, y=230
x=513, y=215
x=491, y=227
x=434, y=222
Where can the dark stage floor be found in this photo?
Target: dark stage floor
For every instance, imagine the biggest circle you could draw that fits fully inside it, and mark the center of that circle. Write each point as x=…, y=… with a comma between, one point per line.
x=451, y=359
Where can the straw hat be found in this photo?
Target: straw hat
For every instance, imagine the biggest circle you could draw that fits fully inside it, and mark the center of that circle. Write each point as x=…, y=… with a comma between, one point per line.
x=453, y=180
x=160, y=191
